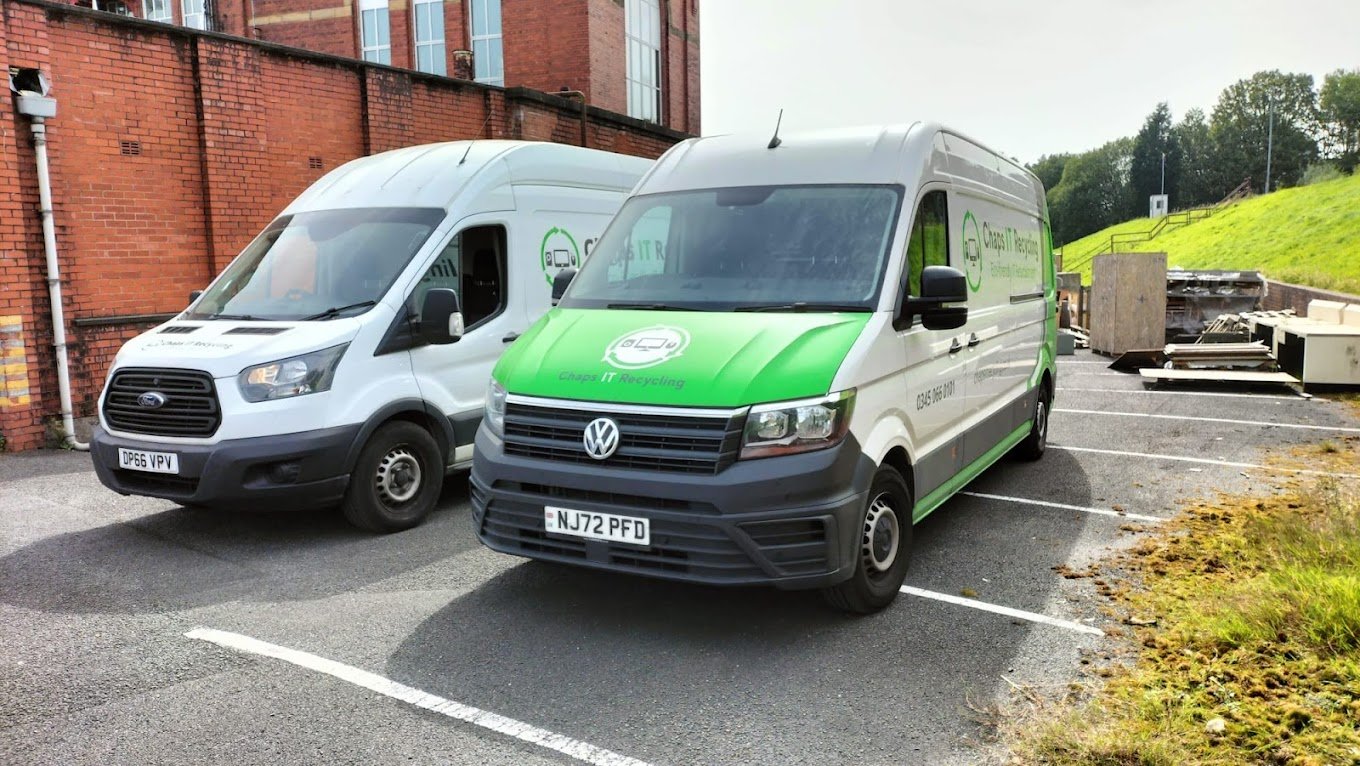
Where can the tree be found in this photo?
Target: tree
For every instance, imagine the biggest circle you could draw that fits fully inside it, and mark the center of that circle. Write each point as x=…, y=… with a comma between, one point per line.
x=1155, y=141
x=1240, y=127
x=1340, y=106
x=1049, y=169
x=1093, y=192
x=1201, y=180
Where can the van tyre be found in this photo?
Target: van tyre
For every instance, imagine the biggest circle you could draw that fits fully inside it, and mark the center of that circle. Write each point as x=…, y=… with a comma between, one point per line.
x=1033, y=445
x=883, y=551
x=396, y=481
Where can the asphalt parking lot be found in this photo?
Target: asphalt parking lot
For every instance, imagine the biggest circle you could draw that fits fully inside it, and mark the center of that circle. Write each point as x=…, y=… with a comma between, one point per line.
x=401, y=648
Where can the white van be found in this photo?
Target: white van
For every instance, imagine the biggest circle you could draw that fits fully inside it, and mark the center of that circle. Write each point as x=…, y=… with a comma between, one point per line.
x=342, y=357
x=780, y=356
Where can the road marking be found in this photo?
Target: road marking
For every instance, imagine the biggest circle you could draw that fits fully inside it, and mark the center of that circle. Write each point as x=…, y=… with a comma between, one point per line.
x=1130, y=376
x=1209, y=420
x=1064, y=362
x=1204, y=460
x=1009, y=612
x=572, y=748
x=1064, y=506
x=1190, y=393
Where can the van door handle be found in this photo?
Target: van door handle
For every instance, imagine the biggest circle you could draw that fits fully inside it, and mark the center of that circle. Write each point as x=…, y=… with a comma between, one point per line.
x=955, y=347
x=973, y=340
x=510, y=338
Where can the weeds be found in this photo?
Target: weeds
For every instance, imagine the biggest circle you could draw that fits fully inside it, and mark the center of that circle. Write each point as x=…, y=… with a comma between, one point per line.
x=1255, y=653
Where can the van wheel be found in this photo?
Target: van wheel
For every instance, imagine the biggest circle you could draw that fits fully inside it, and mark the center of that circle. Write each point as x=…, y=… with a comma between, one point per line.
x=1033, y=445
x=396, y=481
x=884, y=550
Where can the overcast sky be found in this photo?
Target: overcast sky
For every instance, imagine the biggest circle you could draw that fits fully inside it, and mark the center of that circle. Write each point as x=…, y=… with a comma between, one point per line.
x=1027, y=77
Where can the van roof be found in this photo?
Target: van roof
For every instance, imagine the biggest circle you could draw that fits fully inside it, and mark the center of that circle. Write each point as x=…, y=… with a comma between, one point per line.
x=892, y=154
x=434, y=175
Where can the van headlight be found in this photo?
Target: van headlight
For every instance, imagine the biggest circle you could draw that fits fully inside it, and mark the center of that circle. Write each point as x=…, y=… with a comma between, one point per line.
x=783, y=428
x=294, y=376
x=494, y=416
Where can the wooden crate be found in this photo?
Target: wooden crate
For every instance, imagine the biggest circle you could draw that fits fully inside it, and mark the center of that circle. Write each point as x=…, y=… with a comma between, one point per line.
x=1128, y=302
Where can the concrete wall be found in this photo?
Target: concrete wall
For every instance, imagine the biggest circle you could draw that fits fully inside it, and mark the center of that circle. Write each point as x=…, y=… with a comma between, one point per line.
x=171, y=149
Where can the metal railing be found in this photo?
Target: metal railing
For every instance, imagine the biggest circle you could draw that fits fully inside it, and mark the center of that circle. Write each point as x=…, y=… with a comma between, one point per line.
x=1178, y=218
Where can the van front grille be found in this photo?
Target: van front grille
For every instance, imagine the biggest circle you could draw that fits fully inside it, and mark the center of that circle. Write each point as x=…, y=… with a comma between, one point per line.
x=189, y=407
x=650, y=440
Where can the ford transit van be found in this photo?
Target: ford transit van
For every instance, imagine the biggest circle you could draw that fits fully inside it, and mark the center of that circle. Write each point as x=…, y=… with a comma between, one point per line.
x=778, y=358
x=341, y=358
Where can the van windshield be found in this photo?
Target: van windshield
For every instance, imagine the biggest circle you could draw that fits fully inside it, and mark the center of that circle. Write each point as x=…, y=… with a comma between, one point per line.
x=319, y=265
x=757, y=248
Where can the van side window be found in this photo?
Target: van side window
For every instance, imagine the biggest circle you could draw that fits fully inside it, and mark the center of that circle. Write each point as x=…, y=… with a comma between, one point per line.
x=472, y=264
x=928, y=244
x=645, y=248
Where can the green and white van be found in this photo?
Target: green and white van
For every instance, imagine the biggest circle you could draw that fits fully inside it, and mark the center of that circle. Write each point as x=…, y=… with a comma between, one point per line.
x=778, y=357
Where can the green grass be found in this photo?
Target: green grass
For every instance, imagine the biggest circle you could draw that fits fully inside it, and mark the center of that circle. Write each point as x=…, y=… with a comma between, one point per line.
x=1255, y=654
x=1308, y=235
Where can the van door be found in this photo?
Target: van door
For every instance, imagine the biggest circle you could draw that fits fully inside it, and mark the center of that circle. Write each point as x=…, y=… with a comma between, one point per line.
x=936, y=359
x=1005, y=303
x=475, y=264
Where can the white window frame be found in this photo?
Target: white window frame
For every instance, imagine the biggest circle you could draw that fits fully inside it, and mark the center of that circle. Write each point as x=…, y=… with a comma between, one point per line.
x=642, y=46
x=435, y=44
x=378, y=50
x=195, y=13
x=163, y=11
x=490, y=39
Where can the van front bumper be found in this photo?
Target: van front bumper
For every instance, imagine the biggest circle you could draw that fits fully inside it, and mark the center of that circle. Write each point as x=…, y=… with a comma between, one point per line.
x=790, y=521
x=285, y=472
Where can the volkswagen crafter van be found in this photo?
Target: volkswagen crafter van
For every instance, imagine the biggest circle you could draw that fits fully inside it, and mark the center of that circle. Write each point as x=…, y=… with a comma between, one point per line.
x=342, y=357
x=779, y=356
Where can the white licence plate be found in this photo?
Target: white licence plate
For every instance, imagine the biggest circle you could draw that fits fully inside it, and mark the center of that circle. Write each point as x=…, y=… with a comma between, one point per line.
x=597, y=526
x=152, y=462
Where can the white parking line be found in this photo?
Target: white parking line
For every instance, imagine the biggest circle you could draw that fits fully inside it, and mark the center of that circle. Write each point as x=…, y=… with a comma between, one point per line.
x=1064, y=506
x=572, y=748
x=1208, y=420
x=1204, y=461
x=1291, y=397
x=1009, y=612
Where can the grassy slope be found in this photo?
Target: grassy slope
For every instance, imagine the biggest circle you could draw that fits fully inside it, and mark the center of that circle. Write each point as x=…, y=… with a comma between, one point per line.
x=1309, y=235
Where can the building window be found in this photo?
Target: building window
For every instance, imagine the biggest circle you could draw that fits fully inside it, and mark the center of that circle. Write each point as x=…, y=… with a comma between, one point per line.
x=375, y=31
x=642, y=19
x=429, y=17
x=195, y=13
x=158, y=10
x=486, y=42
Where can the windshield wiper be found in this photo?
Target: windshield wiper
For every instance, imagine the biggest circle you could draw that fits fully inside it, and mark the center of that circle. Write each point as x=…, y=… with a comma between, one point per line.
x=235, y=317
x=649, y=307
x=799, y=307
x=334, y=311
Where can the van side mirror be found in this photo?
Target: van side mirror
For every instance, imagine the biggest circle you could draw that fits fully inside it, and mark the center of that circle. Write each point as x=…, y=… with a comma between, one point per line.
x=194, y=295
x=940, y=285
x=441, y=318
x=560, y=283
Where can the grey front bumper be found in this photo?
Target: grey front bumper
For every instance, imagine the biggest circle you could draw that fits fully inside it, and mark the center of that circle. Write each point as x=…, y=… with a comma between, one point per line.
x=789, y=521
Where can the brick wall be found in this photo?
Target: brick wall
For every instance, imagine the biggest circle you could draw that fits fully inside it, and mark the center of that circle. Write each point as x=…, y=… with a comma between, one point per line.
x=1282, y=295
x=169, y=152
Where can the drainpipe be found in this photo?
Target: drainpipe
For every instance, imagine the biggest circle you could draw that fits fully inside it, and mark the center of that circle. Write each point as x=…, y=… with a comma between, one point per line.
x=585, y=118
x=39, y=108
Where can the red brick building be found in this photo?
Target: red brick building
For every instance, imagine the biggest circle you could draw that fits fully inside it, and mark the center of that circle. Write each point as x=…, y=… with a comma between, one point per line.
x=634, y=57
x=173, y=147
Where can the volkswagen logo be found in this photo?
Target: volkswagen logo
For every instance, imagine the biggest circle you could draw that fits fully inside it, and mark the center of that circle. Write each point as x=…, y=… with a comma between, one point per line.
x=601, y=438
x=152, y=400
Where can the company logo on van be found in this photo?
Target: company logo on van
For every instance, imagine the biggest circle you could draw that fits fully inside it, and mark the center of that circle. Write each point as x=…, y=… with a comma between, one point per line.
x=972, y=251
x=558, y=251
x=646, y=348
